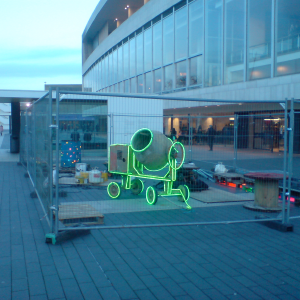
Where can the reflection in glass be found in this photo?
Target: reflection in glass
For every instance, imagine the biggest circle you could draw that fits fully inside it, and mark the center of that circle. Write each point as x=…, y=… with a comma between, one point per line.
x=234, y=41
x=181, y=74
x=140, y=84
x=181, y=33
x=259, y=39
x=288, y=37
x=106, y=70
x=132, y=57
x=168, y=78
x=121, y=87
x=133, y=85
x=196, y=70
x=126, y=86
x=110, y=69
x=139, y=54
x=196, y=27
x=157, y=45
x=148, y=82
x=115, y=66
x=120, y=63
x=213, y=42
x=157, y=81
x=148, y=49
x=126, y=60
x=168, y=40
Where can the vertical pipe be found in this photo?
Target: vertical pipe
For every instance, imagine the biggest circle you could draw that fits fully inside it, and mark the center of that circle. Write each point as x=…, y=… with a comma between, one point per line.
x=235, y=137
x=50, y=173
x=190, y=140
x=34, y=143
x=26, y=139
x=57, y=163
x=284, y=163
x=290, y=161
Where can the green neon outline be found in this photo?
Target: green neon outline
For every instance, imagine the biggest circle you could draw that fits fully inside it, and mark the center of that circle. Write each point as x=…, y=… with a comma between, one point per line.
x=143, y=186
x=183, y=158
x=156, y=170
x=155, y=194
x=187, y=198
x=147, y=145
x=113, y=197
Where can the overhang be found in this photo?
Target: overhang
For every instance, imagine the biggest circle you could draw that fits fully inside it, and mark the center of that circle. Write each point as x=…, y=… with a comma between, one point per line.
x=9, y=96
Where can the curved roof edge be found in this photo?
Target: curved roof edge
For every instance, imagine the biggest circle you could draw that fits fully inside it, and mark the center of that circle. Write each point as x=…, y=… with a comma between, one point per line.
x=93, y=17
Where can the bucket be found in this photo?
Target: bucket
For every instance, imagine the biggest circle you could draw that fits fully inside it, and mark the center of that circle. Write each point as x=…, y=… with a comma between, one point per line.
x=95, y=176
x=80, y=167
x=104, y=176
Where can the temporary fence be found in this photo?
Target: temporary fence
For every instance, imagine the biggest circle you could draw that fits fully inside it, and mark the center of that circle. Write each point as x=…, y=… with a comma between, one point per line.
x=111, y=160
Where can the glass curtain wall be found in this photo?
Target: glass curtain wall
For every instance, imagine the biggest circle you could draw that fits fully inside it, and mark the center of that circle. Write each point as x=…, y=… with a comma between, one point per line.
x=132, y=57
x=259, y=39
x=288, y=37
x=181, y=31
x=168, y=40
x=213, y=42
x=235, y=12
x=148, y=49
x=203, y=43
x=139, y=54
x=157, y=45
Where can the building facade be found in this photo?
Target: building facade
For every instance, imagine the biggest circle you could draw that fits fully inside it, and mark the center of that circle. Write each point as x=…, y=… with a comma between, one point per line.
x=197, y=48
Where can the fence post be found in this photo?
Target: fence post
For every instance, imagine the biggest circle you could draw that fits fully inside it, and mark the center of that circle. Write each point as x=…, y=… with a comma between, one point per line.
x=56, y=204
x=34, y=144
x=190, y=139
x=50, y=161
x=26, y=138
x=284, y=162
x=235, y=137
x=290, y=160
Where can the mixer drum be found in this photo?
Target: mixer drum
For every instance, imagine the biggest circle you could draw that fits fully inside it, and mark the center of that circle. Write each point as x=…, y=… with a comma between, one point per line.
x=151, y=148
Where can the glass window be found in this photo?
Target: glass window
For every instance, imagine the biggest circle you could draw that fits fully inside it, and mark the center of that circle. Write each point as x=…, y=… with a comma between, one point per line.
x=157, y=45
x=102, y=74
x=168, y=40
x=181, y=74
x=106, y=70
x=148, y=49
x=139, y=54
x=133, y=85
x=213, y=42
x=288, y=37
x=148, y=82
x=121, y=87
x=110, y=69
x=115, y=66
x=126, y=60
x=157, y=81
x=196, y=27
x=126, y=86
x=259, y=39
x=140, y=84
x=120, y=63
x=181, y=33
x=234, y=41
x=196, y=70
x=168, y=78
x=132, y=57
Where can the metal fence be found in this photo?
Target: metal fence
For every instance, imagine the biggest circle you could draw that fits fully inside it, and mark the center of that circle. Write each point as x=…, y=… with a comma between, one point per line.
x=200, y=162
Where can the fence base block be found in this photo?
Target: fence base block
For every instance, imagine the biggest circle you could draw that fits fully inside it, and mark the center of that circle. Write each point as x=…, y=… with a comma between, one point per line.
x=277, y=225
x=50, y=238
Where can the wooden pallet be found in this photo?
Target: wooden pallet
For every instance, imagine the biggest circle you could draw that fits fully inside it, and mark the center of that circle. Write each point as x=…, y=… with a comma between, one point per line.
x=75, y=214
x=228, y=178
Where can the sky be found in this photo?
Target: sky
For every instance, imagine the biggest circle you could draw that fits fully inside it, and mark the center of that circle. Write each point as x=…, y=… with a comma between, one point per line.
x=40, y=41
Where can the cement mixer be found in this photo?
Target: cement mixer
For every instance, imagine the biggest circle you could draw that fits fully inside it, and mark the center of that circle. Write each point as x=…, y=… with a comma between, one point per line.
x=151, y=151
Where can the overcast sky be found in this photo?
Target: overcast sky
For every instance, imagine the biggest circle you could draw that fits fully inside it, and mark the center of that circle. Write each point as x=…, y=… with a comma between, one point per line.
x=40, y=41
